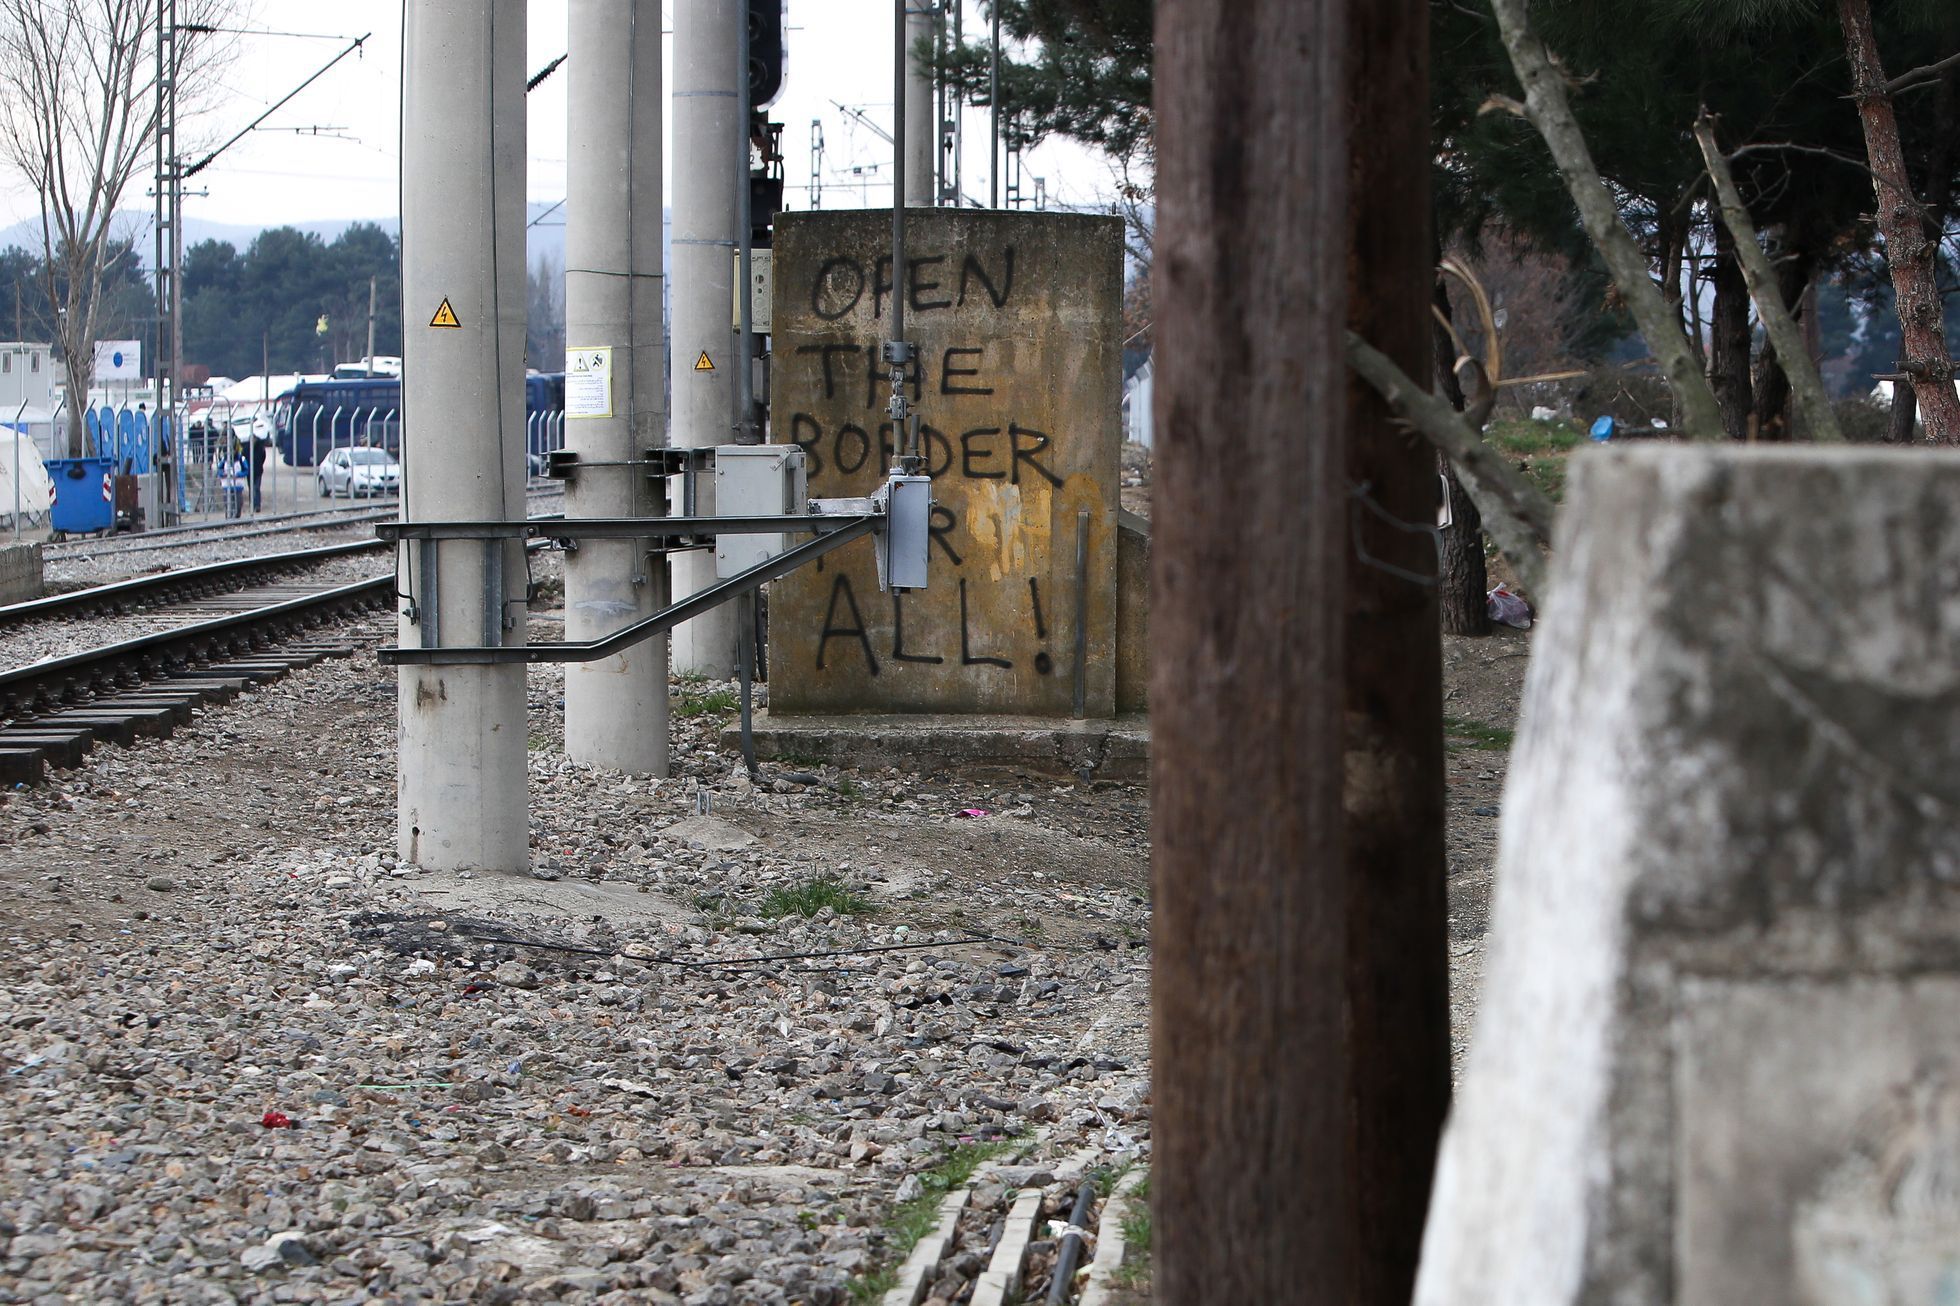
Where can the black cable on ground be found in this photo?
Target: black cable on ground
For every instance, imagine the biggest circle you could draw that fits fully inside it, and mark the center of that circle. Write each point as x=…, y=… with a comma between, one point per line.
x=738, y=963
x=1068, y=1252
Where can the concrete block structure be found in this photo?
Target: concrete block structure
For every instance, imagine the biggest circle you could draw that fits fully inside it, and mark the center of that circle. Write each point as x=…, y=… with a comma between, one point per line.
x=1718, y=1054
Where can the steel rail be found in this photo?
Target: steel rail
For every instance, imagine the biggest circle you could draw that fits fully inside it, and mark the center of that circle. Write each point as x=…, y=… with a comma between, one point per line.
x=56, y=682
x=172, y=586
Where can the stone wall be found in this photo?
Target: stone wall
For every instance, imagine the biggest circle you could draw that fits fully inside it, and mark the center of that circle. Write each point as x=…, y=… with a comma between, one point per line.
x=1018, y=321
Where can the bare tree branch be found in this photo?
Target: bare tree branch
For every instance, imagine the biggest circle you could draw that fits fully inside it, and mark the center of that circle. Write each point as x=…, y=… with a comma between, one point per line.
x=1924, y=73
x=1517, y=517
x=1806, y=385
x=78, y=119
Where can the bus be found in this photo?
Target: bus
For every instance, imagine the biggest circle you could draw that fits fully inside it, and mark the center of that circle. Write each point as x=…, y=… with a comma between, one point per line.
x=315, y=417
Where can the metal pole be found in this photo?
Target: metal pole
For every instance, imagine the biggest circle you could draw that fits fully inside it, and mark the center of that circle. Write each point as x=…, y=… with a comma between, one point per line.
x=915, y=127
x=18, y=437
x=957, y=98
x=745, y=429
x=993, y=114
x=368, y=362
x=462, y=801
x=265, y=379
x=901, y=168
x=939, y=187
x=615, y=708
x=707, y=130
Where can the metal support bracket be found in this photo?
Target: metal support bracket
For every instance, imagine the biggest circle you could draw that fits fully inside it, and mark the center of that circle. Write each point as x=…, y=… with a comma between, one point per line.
x=658, y=624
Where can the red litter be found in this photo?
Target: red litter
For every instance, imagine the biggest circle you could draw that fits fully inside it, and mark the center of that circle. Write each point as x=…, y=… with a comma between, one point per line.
x=277, y=1120
x=972, y=812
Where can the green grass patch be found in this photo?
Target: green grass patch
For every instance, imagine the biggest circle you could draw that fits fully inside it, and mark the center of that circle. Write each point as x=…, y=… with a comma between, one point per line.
x=1541, y=447
x=1529, y=437
x=717, y=702
x=1461, y=733
x=916, y=1218
x=812, y=896
x=1136, y=1238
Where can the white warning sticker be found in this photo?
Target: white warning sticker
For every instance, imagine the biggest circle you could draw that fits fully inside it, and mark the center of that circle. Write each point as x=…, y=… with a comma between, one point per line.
x=588, y=382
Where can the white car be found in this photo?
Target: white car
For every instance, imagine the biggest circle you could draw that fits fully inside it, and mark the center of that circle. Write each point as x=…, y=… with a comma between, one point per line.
x=357, y=473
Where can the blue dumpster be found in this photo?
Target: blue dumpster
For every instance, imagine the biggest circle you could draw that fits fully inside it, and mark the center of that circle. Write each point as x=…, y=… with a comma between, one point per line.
x=84, y=494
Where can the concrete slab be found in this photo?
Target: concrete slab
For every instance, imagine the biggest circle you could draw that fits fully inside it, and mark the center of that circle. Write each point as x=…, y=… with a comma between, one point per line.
x=1105, y=749
x=569, y=899
x=711, y=832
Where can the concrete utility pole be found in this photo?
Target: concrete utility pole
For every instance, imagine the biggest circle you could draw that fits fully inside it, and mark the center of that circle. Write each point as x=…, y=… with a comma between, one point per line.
x=615, y=709
x=709, y=150
x=462, y=782
x=921, y=128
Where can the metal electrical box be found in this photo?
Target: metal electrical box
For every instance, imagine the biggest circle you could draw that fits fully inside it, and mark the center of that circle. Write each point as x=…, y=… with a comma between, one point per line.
x=756, y=480
x=761, y=291
x=903, y=546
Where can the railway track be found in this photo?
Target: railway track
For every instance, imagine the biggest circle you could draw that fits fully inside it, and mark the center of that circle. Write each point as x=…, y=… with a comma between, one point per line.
x=54, y=712
x=183, y=537
x=176, y=587
x=250, y=620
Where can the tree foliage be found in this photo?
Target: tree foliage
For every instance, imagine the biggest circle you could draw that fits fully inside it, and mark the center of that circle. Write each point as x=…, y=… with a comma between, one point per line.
x=1085, y=73
x=271, y=298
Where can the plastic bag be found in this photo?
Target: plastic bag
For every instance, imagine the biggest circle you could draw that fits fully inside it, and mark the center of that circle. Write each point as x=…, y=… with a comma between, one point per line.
x=1507, y=608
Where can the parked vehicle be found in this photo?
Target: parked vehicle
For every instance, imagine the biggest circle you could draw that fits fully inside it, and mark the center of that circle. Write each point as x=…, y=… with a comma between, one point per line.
x=359, y=473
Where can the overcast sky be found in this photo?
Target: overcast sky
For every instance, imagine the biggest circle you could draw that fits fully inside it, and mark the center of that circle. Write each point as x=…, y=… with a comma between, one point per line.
x=839, y=50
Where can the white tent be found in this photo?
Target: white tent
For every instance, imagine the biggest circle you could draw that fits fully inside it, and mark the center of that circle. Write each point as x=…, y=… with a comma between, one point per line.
x=36, y=490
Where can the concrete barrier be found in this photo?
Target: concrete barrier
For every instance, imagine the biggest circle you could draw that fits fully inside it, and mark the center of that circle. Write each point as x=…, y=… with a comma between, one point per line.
x=1716, y=1056
x=20, y=573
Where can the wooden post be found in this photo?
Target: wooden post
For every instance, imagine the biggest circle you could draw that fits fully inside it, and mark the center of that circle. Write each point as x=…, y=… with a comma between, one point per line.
x=1393, y=863
x=1253, y=1132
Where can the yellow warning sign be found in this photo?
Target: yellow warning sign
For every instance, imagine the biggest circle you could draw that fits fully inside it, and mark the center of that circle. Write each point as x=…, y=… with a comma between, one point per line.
x=704, y=363
x=445, y=316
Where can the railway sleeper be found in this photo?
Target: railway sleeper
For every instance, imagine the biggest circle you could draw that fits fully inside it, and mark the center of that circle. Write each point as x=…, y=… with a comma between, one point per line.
x=64, y=748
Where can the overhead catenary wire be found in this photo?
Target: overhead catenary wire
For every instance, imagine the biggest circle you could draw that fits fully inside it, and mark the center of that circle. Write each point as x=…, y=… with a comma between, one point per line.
x=283, y=100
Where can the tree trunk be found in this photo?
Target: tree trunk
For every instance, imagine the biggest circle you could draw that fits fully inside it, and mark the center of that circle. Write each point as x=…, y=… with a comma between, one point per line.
x=1772, y=383
x=1464, y=579
x=1673, y=235
x=1903, y=424
x=1254, y=1134
x=1398, y=931
x=1908, y=251
x=78, y=378
x=1773, y=408
x=1729, y=338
